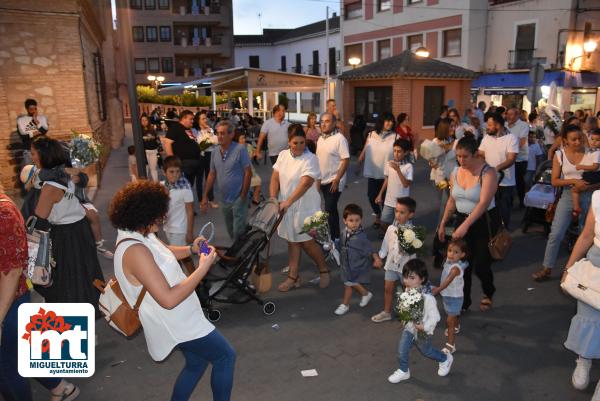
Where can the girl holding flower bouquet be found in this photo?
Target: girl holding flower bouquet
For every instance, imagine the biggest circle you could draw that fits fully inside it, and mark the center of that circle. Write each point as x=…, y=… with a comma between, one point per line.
x=207, y=141
x=419, y=313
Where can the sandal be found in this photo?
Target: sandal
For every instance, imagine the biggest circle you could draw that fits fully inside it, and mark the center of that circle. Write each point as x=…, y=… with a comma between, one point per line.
x=485, y=304
x=324, y=281
x=69, y=393
x=456, y=330
x=449, y=349
x=542, y=275
x=382, y=316
x=289, y=284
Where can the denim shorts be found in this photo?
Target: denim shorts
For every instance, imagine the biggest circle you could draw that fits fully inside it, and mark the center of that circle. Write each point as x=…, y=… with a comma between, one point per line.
x=391, y=275
x=388, y=214
x=452, y=305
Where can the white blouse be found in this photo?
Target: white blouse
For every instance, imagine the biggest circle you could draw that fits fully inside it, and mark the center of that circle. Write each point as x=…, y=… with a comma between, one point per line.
x=569, y=171
x=68, y=210
x=163, y=328
x=378, y=151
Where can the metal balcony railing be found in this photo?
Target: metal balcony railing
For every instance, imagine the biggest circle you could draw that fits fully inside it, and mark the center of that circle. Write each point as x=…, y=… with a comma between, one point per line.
x=520, y=59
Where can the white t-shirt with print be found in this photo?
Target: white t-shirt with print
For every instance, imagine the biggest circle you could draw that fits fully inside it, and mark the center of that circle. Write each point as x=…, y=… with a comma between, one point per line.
x=176, y=222
x=395, y=189
x=330, y=152
x=496, y=151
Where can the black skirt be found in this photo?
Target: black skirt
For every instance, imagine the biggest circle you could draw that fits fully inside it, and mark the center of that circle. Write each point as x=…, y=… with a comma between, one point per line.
x=77, y=265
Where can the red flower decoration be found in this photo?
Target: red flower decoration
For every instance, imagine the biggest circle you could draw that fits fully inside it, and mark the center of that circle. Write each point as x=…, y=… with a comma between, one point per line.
x=44, y=321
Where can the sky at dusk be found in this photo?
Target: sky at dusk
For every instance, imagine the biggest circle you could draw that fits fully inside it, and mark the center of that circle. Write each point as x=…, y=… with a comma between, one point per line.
x=278, y=14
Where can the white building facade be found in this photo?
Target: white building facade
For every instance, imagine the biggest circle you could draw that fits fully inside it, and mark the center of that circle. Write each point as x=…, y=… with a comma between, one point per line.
x=303, y=50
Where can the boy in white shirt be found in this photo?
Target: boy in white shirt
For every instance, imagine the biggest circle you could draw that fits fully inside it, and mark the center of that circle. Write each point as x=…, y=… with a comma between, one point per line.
x=395, y=258
x=398, y=179
x=179, y=224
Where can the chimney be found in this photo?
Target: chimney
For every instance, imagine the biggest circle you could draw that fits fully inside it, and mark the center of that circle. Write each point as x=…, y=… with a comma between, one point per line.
x=334, y=15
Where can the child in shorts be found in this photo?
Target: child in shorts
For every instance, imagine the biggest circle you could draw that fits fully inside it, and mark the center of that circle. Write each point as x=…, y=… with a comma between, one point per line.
x=131, y=161
x=451, y=288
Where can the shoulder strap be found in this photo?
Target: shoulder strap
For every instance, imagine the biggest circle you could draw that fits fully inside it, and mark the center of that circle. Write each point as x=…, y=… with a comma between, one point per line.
x=140, y=298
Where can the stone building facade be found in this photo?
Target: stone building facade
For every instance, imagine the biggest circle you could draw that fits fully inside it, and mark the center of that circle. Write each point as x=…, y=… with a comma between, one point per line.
x=60, y=53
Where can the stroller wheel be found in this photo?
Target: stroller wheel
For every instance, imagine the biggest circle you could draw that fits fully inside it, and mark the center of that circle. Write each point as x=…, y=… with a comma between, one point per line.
x=214, y=315
x=269, y=308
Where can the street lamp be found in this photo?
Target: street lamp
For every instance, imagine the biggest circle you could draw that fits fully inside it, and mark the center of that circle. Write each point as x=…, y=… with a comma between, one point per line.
x=354, y=61
x=422, y=52
x=156, y=80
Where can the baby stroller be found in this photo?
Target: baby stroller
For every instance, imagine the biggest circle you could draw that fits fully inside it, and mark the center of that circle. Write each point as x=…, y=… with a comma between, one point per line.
x=537, y=200
x=228, y=280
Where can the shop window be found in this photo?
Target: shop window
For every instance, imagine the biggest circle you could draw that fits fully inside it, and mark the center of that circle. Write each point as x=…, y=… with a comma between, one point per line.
x=584, y=99
x=371, y=102
x=433, y=100
x=353, y=10
x=452, y=42
x=353, y=51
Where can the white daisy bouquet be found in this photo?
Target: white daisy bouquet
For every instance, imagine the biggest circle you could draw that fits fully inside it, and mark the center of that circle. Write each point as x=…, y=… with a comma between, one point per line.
x=410, y=305
x=430, y=150
x=317, y=227
x=410, y=238
x=85, y=150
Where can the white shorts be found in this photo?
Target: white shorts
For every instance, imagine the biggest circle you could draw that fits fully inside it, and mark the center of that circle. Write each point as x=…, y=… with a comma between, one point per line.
x=176, y=239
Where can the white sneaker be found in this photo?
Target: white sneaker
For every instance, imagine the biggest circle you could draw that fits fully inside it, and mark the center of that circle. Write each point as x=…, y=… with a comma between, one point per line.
x=398, y=376
x=364, y=301
x=444, y=368
x=581, y=374
x=342, y=310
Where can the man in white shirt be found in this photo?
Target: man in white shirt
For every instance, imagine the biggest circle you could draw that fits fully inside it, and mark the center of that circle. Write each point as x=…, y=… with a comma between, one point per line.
x=334, y=157
x=276, y=132
x=500, y=149
x=331, y=108
x=31, y=124
x=520, y=129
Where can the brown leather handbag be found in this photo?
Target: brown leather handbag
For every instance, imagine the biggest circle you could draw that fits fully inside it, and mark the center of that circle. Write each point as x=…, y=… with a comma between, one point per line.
x=500, y=243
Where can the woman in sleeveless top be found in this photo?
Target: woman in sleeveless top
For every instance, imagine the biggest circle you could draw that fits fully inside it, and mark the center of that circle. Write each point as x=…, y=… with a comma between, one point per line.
x=378, y=150
x=474, y=185
x=584, y=332
x=170, y=312
x=73, y=244
x=204, y=133
x=566, y=176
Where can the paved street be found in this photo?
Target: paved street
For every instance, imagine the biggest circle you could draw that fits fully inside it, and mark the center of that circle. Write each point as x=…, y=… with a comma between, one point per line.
x=514, y=352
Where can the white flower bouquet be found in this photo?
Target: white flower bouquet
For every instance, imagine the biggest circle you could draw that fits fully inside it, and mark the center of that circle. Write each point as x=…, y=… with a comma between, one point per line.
x=410, y=305
x=411, y=238
x=430, y=150
x=317, y=227
x=84, y=150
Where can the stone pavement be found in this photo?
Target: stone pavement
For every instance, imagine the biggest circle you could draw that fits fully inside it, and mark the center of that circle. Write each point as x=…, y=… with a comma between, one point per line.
x=513, y=352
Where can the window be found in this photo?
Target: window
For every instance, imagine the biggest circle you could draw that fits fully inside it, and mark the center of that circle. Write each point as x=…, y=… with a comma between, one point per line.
x=165, y=33
x=138, y=33
x=414, y=42
x=163, y=4
x=525, y=37
x=140, y=65
x=315, y=64
x=283, y=64
x=414, y=1
x=167, y=64
x=150, y=4
x=332, y=62
x=353, y=51
x=100, y=83
x=254, y=62
x=154, y=64
x=298, y=63
x=135, y=4
x=151, y=34
x=384, y=49
x=353, y=10
x=433, y=100
x=384, y=5
x=372, y=101
x=452, y=42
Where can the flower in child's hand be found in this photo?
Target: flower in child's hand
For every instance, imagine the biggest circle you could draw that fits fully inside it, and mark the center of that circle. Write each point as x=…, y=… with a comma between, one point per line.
x=409, y=235
x=307, y=221
x=417, y=243
x=319, y=214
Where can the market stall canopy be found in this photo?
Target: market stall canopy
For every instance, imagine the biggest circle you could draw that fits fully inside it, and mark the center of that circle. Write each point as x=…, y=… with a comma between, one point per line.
x=408, y=65
x=244, y=79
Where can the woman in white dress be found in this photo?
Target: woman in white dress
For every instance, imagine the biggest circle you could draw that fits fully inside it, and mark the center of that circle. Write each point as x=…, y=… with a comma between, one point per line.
x=292, y=182
x=170, y=312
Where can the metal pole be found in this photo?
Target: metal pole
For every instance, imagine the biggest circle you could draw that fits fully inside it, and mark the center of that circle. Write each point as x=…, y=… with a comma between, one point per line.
x=328, y=95
x=124, y=27
x=339, y=87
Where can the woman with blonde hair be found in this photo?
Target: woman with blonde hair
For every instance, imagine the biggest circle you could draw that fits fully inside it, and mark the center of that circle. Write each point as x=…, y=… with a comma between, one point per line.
x=311, y=130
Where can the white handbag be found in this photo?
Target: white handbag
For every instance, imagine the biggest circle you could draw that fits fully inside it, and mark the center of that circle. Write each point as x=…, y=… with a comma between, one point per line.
x=583, y=283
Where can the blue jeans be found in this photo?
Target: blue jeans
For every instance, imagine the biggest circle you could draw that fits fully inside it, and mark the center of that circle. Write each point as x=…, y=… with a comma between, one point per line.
x=423, y=344
x=235, y=215
x=212, y=348
x=504, y=202
x=562, y=221
x=13, y=386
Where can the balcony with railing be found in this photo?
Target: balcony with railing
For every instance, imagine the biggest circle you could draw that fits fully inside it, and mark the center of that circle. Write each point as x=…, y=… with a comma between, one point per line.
x=522, y=59
x=314, y=69
x=208, y=12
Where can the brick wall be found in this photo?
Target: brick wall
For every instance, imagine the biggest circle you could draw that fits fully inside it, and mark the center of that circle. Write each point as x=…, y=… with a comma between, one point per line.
x=49, y=57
